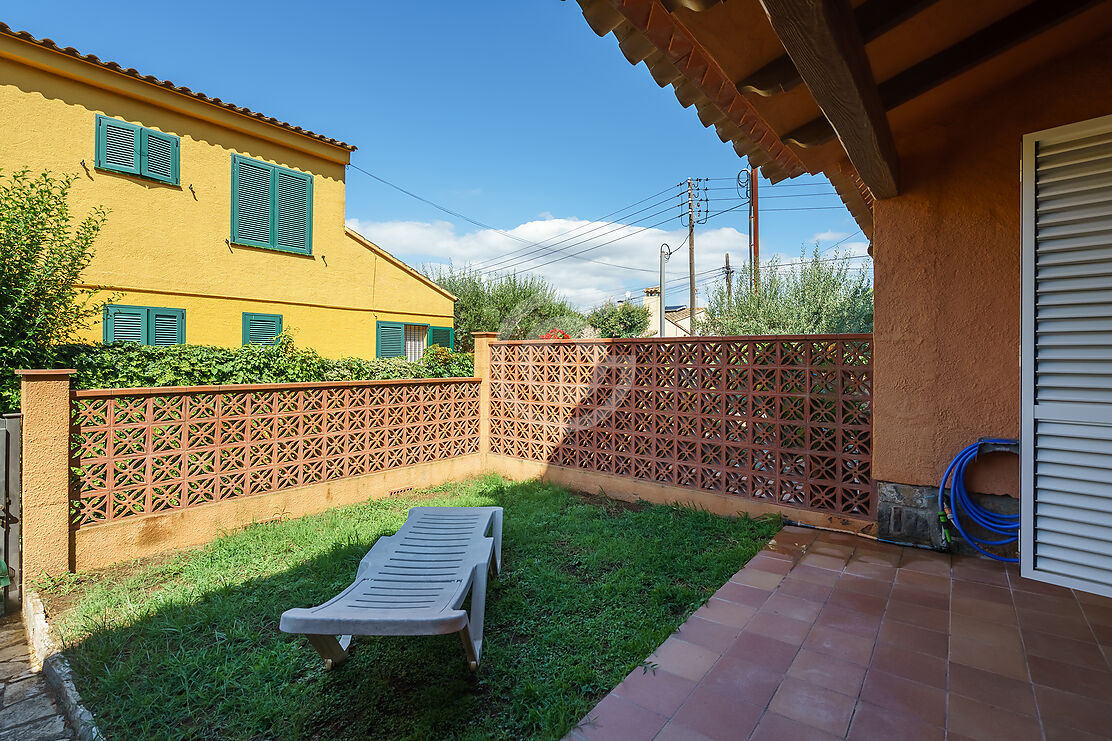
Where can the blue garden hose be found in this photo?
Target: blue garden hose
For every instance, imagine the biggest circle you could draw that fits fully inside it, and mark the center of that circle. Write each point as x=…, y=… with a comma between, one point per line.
x=962, y=505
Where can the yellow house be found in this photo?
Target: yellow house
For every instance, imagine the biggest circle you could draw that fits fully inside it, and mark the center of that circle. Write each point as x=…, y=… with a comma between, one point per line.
x=225, y=226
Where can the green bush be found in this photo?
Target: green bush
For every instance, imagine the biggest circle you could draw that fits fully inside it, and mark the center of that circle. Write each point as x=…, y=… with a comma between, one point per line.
x=129, y=365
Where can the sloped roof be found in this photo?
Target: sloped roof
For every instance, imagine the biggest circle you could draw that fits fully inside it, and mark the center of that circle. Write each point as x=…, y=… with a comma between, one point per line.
x=681, y=314
x=69, y=51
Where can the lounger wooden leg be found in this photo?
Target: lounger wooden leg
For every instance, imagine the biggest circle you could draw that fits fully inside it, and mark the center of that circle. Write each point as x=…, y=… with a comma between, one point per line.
x=333, y=651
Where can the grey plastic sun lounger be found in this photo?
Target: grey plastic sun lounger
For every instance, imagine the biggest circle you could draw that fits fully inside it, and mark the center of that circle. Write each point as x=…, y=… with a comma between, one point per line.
x=413, y=582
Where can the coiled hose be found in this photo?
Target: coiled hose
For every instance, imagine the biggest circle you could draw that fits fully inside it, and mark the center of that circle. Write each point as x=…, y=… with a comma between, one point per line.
x=962, y=506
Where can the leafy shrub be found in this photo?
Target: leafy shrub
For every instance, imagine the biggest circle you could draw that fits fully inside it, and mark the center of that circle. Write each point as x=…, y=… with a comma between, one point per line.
x=130, y=365
x=619, y=320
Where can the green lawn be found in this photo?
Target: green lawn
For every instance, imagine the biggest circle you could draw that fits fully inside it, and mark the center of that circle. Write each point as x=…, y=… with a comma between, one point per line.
x=188, y=646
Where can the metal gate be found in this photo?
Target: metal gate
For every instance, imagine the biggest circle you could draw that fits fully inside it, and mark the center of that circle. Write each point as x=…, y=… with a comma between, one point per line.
x=10, y=514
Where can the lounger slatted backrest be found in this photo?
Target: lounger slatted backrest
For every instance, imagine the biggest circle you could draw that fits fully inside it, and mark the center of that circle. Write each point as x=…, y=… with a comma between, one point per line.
x=413, y=583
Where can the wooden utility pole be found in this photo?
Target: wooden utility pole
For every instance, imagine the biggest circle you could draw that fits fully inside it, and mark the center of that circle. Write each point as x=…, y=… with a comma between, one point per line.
x=754, y=226
x=729, y=283
x=691, y=241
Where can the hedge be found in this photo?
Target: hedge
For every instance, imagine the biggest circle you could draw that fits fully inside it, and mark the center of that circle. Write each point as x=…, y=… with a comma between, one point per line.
x=130, y=365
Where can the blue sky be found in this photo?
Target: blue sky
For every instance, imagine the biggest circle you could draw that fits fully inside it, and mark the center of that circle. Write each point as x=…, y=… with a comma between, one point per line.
x=513, y=113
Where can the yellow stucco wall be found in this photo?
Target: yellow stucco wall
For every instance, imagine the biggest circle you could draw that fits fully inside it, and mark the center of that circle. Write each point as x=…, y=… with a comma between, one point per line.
x=167, y=246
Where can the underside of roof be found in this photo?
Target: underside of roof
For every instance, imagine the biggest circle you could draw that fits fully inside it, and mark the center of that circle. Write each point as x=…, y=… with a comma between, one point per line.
x=838, y=86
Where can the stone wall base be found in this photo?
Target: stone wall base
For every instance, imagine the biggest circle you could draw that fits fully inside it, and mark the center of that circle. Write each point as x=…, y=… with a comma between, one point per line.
x=907, y=513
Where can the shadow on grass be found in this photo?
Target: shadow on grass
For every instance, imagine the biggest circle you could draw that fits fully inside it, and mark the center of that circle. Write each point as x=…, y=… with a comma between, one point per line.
x=190, y=648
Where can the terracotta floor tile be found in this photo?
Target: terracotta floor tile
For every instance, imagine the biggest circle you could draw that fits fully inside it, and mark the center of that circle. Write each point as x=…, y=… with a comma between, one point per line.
x=828, y=671
x=786, y=551
x=911, y=665
x=977, y=590
x=1014, y=695
x=742, y=594
x=743, y=679
x=971, y=568
x=983, y=610
x=928, y=704
x=1073, y=711
x=717, y=716
x=985, y=631
x=727, y=613
x=775, y=727
x=707, y=633
x=804, y=589
x=982, y=722
x=771, y=654
x=835, y=550
x=929, y=582
x=779, y=627
x=836, y=643
x=683, y=659
x=913, y=596
x=863, y=585
x=929, y=562
x=818, y=707
x=659, y=691
x=770, y=563
x=813, y=574
x=1055, y=732
x=866, y=604
x=1103, y=633
x=1037, y=587
x=1064, y=605
x=825, y=536
x=914, y=638
x=757, y=578
x=871, y=570
x=1094, y=683
x=874, y=723
x=878, y=553
x=678, y=732
x=1098, y=614
x=1008, y=662
x=924, y=617
x=615, y=719
x=1066, y=627
x=792, y=607
x=1079, y=653
x=823, y=561
x=850, y=622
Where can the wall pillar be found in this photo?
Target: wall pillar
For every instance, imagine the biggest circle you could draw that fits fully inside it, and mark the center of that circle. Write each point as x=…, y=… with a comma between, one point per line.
x=482, y=370
x=45, y=487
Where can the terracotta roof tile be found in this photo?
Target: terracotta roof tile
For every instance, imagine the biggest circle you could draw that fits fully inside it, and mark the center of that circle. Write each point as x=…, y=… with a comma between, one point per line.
x=131, y=72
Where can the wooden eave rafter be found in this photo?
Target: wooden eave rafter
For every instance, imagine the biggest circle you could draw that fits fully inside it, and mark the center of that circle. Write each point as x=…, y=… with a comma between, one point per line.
x=972, y=51
x=823, y=41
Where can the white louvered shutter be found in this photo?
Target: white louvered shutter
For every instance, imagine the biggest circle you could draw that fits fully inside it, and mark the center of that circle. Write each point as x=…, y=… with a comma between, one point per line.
x=251, y=224
x=1067, y=356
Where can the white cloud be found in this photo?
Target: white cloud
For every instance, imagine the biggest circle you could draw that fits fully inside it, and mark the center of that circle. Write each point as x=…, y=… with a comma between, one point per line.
x=584, y=283
x=546, y=215
x=829, y=236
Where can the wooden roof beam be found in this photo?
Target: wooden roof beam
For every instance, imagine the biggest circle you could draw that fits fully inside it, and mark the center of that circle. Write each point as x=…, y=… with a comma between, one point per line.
x=874, y=18
x=824, y=44
x=976, y=49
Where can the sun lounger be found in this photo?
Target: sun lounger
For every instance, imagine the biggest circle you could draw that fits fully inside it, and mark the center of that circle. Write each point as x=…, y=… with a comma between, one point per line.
x=413, y=583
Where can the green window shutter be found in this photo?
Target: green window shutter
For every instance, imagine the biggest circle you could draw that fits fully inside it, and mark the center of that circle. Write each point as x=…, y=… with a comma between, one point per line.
x=261, y=329
x=165, y=326
x=443, y=336
x=125, y=324
x=390, y=340
x=118, y=145
x=294, y=212
x=159, y=156
x=251, y=202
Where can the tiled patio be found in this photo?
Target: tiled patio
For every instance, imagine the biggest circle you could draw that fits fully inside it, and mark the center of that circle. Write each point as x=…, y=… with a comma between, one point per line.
x=828, y=636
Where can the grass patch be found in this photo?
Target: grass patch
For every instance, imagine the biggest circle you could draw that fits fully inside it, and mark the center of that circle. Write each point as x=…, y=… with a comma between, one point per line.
x=188, y=646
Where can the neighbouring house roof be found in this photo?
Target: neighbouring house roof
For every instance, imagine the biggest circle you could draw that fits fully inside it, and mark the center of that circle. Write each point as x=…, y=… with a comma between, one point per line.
x=681, y=314
x=399, y=263
x=69, y=51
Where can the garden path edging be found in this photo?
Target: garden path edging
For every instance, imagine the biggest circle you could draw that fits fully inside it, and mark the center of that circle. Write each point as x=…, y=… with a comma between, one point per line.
x=46, y=657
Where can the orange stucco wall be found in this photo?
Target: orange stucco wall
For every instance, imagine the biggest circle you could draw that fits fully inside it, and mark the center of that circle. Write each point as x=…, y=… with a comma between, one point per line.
x=948, y=293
